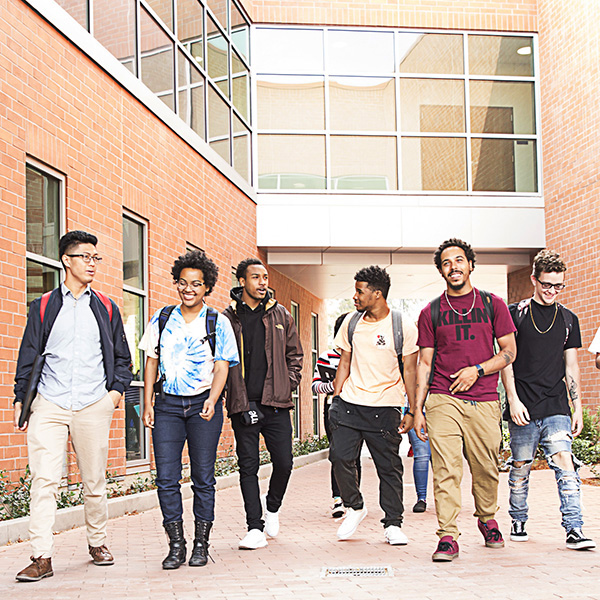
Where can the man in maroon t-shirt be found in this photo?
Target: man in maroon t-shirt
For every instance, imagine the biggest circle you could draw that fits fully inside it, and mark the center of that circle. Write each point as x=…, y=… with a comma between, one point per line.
x=463, y=410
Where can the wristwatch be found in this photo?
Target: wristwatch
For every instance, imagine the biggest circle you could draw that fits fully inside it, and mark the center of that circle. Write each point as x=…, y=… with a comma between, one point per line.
x=480, y=371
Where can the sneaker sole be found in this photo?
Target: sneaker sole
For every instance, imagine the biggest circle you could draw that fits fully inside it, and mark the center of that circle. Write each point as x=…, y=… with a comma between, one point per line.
x=494, y=545
x=253, y=547
x=397, y=543
x=444, y=557
x=582, y=546
x=26, y=579
x=519, y=538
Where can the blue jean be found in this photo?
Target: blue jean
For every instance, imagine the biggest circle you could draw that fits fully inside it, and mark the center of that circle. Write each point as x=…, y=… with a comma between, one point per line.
x=177, y=419
x=421, y=457
x=553, y=434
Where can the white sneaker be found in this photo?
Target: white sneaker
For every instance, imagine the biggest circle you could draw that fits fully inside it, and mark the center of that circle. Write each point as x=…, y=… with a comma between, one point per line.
x=254, y=539
x=395, y=536
x=351, y=522
x=271, y=519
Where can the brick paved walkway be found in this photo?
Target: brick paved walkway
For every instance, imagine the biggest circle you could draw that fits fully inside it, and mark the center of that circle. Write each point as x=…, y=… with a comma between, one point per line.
x=290, y=567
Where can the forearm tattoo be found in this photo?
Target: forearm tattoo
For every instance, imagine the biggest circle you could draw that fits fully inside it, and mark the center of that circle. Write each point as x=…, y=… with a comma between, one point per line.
x=573, y=389
x=508, y=356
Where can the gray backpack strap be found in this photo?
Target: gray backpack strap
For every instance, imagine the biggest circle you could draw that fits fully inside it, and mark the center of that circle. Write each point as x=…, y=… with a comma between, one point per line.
x=398, y=337
x=354, y=319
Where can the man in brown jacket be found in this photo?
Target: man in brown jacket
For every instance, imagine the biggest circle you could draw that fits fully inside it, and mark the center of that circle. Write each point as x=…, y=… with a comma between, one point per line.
x=259, y=395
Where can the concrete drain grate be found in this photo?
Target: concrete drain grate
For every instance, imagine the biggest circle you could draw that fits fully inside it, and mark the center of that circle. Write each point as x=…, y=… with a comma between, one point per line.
x=386, y=571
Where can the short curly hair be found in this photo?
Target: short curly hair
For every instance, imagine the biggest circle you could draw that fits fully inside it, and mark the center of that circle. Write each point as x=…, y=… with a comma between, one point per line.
x=241, y=269
x=197, y=259
x=376, y=278
x=548, y=261
x=451, y=243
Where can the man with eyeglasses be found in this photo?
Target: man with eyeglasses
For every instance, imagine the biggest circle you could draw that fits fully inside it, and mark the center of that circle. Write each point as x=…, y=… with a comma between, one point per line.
x=86, y=371
x=538, y=384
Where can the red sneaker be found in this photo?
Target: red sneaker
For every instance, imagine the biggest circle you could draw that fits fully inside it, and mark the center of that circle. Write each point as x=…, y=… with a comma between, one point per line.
x=491, y=533
x=446, y=550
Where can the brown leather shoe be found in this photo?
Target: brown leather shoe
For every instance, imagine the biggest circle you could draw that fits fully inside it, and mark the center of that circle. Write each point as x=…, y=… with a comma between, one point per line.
x=101, y=556
x=38, y=569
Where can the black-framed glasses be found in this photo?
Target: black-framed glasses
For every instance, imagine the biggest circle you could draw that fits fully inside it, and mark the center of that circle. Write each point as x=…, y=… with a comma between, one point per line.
x=182, y=284
x=88, y=258
x=546, y=285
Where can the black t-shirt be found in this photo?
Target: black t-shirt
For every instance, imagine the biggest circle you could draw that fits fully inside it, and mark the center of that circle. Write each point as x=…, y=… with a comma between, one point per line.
x=540, y=367
x=255, y=359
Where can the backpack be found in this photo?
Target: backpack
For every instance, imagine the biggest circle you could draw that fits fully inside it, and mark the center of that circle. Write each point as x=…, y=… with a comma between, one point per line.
x=102, y=297
x=523, y=309
x=396, y=326
x=211, y=326
x=436, y=303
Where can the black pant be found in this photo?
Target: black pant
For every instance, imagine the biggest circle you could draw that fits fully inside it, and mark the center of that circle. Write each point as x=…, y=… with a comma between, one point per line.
x=276, y=429
x=335, y=490
x=350, y=425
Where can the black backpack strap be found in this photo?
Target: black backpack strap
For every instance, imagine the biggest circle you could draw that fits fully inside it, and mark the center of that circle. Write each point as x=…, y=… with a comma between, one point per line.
x=398, y=338
x=435, y=318
x=211, y=328
x=488, y=305
x=163, y=317
x=354, y=319
x=567, y=316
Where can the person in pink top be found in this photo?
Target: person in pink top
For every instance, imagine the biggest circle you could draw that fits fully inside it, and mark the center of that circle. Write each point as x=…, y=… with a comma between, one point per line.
x=459, y=368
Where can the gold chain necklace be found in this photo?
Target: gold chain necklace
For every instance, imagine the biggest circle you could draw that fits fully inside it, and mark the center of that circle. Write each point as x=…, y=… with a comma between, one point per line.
x=551, y=324
x=461, y=314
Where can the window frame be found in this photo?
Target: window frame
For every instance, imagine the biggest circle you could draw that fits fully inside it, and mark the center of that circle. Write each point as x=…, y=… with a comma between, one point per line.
x=296, y=395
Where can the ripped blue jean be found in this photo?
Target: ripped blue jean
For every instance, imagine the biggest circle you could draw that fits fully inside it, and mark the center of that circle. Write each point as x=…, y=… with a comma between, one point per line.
x=553, y=434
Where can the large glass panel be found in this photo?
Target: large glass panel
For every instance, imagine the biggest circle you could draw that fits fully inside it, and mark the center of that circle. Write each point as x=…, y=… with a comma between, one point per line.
x=504, y=165
x=362, y=103
x=500, y=55
x=40, y=279
x=240, y=85
x=189, y=27
x=156, y=57
x=432, y=105
x=241, y=148
x=239, y=30
x=77, y=9
x=133, y=315
x=114, y=28
x=219, y=10
x=217, y=50
x=290, y=102
x=135, y=434
x=221, y=147
x=434, y=164
x=163, y=10
x=502, y=107
x=293, y=162
x=133, y=253
x=430, y=53
x=42, y=213
x=360, y=52
x=218, y=116
x=363, y=163
x=297, y=51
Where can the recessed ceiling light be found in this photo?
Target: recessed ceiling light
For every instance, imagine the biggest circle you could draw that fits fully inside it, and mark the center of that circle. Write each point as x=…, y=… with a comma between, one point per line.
x=524, y=51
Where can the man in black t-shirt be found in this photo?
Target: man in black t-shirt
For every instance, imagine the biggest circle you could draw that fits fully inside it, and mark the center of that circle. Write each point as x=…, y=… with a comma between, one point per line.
x=538, y=411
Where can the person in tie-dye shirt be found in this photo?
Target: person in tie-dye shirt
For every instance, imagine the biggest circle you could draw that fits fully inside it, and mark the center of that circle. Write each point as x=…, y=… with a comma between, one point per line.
x=190, y=406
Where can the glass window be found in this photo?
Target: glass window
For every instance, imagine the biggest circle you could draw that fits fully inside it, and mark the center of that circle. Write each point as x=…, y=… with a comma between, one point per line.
x=43, y=230
x=363, y=163
x=219, y=11
x=156, y=58
x=221, y=147
x=291, y=102
x=114, y=28
x=163, y=10
x=190, y=18
x=240, y=86
x=500, y=55
x=77, y=9
x=217, y=56
x=241, y=148
x=291, y=162
x=434, y=164
x=218, y=115
x=360, y=52
x=295, y=312
x=314, y=339
x=502, y=107
x=432, y=105
x=430, y=53
x=372, y=98
x=504, y=165
x=134, y=321
x=239, y=29
x=298, y=51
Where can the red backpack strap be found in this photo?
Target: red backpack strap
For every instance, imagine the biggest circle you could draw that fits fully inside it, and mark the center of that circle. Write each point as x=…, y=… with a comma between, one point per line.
x=43, y=304
x=107, y=303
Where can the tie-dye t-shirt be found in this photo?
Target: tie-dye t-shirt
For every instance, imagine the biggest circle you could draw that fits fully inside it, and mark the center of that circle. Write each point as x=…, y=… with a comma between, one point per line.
x=186, y=360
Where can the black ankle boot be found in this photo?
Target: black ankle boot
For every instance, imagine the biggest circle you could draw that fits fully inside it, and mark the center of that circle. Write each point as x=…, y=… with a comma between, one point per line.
x=176, y=556
x=199, y=556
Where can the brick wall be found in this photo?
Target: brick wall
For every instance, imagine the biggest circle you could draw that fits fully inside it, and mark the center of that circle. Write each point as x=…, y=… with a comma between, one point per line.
x=511, y=15
x=59, y=108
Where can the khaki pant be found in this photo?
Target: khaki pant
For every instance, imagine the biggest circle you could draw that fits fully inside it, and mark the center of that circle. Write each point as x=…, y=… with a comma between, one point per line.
x=458, y=428
x=49, y=428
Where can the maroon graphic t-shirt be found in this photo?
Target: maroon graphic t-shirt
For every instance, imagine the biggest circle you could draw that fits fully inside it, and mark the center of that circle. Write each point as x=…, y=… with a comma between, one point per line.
x=464, y=341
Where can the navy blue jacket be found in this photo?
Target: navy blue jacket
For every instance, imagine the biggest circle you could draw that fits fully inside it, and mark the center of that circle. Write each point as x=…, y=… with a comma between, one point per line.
x=115, y=350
